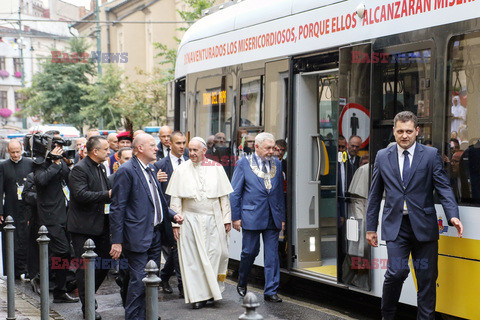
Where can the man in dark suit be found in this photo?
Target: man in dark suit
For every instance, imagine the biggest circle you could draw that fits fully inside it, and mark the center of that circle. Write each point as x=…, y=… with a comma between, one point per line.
x=51, y=179
x=124, y=155
x=353, y=161
x=13, y=175
x=409, y=172
x=258, y=206
x=164, y=144
x=138, y=212
x=167, y=165
x=88, y=211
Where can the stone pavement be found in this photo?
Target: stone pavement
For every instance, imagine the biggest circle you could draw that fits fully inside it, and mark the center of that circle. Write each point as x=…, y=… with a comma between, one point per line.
x=170, y=306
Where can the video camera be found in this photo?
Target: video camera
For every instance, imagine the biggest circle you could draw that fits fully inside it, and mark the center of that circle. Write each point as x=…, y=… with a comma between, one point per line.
x=38, y=146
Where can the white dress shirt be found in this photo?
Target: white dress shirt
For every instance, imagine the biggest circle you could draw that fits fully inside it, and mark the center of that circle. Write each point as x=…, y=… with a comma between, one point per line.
x=174, y=160
x=401, y=160
x=260, y=163
x=153, y=190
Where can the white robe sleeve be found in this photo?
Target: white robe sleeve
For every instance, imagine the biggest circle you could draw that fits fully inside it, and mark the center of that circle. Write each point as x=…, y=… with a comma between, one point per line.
x=226, y=210
x=176, y=205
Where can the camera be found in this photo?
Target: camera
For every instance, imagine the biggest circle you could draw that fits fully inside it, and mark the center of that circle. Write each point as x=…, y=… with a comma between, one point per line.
x=38, y=146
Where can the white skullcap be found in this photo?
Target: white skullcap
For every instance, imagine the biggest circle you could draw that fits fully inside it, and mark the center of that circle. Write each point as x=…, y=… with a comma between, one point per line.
x=200, y=139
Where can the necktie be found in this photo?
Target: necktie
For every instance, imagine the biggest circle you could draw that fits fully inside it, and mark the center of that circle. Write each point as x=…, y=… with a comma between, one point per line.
x=168, y=152
x=406, y=167
x=155, y=197
x=179, y=161
x=264, y=164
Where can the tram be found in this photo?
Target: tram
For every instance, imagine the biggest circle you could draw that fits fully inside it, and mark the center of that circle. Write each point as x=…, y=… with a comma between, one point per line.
x=312, y=71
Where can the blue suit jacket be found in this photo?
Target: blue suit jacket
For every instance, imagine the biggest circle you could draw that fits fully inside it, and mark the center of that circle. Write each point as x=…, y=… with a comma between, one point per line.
x=165, y=164
x=250, y=200
x=427, y=175
x=132, y=209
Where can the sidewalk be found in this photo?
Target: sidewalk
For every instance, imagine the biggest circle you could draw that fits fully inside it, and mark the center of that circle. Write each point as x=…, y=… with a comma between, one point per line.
x=26, y=308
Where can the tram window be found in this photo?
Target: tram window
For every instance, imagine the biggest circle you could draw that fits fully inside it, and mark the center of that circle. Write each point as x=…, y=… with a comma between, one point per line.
x=462, y=152
x=251, y=102
x=406, y=83
x=213, y=112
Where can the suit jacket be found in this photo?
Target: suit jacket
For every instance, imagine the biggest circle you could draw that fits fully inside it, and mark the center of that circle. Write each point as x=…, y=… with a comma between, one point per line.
x=50, y=178
x=166, y=166
x=250, y=200
x=86, y=213
x=10, y=174
x=350, y=170
x=132, y=209
x=29, y=196
x=426, y=174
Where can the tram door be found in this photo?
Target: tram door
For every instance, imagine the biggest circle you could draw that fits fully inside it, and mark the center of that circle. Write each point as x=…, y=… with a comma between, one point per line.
x=315, y=164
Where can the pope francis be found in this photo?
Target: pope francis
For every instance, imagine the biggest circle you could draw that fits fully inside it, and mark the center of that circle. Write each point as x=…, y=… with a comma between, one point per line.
x=199, y=190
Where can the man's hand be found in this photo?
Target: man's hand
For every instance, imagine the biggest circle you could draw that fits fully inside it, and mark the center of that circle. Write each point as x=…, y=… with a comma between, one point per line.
x=178, y=218
x=162, y=176
x=110, y=193
x=457, y=224
x=176, y=233
x=57, y=151
x=228, y=227
x=372, y=238
x=1, y=219
x=116, y=250
x=237, y=225
x=283, y=225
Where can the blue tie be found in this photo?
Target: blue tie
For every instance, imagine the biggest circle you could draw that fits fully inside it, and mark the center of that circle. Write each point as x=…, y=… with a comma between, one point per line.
x=406, y=167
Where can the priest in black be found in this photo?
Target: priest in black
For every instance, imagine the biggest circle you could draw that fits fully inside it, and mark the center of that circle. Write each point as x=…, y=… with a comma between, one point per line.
x=88, y=214
x=13, y=174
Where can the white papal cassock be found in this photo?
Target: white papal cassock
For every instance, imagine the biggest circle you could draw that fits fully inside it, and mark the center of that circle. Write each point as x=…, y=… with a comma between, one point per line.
x=200, y=194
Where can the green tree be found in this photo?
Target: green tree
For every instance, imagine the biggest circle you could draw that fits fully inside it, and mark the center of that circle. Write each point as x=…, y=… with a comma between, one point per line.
x=142, y=102
x=57, y=90
x=99, y=96
x=169, y=55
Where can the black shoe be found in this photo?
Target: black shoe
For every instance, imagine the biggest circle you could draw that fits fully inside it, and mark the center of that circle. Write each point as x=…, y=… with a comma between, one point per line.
x=65, y=298
x=97, y=316
x=35, y=282
x=199, y=305
x=241, y=290
x=166, y=287
x=272, y=298
x=180, y=294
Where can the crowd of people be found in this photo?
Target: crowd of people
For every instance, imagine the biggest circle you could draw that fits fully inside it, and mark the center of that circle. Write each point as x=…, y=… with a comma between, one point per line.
x=137, y=200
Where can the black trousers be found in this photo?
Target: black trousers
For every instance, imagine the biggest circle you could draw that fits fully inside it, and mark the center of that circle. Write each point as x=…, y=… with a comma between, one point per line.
x=59, y=249
x=33, y=263
x=103, y=263
x=425, y=262
x=171, y=265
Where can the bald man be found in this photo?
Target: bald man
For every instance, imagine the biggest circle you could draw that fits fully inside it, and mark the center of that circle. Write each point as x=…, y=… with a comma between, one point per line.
x=13, y=174
x=164, y=144
x=137, y=216
x=112, y=142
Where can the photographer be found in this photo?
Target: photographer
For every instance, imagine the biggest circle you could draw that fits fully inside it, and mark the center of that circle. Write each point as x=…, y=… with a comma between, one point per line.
x=51, y=178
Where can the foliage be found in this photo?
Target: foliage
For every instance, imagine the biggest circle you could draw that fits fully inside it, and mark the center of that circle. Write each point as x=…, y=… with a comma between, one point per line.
x=143, y=102
x=169, y=55
x=57, y=90
x=99, y=96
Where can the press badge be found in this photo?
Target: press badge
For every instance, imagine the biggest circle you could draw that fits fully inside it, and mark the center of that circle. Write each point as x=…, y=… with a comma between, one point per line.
x=19, y=191
x=107, y=208
x=66, y=192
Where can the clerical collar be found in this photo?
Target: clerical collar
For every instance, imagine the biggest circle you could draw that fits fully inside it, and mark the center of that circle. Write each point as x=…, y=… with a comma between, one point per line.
x=17, y=160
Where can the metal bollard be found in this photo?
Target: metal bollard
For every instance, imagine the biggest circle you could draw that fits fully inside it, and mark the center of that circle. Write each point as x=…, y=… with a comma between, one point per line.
x=152, y=281
x=90, y=256
x=10, y=238
x=250, y=303
x=43, y=241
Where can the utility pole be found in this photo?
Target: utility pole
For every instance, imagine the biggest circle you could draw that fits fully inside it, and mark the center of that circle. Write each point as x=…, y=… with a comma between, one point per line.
x=22, y=71
x=99, y=37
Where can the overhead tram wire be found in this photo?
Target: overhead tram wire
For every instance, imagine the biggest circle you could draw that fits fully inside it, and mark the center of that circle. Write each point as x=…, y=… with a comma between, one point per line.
x=95, y=21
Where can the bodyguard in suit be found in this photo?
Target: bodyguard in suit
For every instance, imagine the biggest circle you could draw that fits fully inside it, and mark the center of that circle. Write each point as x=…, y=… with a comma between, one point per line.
x=258, y=208
x=353, y=161
x=166, y=166
x=409, y=172
x=164, y=144
x=13, y=175
x=89, y=209
x=137, y=216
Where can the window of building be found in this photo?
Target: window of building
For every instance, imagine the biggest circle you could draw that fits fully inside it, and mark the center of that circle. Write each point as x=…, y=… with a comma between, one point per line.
x=251, y=102
x=17, y=64
x=2, y=63
x=3, y=99
x=462, y=156
x=18, y=98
